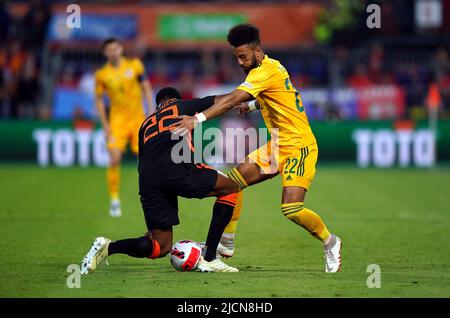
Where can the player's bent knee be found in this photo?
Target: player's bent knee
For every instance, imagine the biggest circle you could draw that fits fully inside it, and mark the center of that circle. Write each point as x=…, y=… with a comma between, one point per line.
x=225, y=186
x=291, y=210
x=293, y=194
x=237, y=178
x=114, y=162
x=230, y=189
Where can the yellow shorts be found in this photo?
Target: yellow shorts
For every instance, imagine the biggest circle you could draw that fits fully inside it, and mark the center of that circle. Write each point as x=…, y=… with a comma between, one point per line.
x=296, y=166
x=123, y=130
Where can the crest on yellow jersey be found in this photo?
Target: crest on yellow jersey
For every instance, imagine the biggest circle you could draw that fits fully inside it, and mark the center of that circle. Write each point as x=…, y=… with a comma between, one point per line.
x=129, y=73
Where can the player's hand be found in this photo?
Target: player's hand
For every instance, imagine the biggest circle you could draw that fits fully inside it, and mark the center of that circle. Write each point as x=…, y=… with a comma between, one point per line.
x=242, y=108
x=184, y=125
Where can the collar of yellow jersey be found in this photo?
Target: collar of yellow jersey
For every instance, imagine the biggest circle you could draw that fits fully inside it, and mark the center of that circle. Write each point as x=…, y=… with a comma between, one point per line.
x=119, y=65
x=265, y=59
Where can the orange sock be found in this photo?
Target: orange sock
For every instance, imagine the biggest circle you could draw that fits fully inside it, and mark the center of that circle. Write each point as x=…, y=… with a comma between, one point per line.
x=156, y=250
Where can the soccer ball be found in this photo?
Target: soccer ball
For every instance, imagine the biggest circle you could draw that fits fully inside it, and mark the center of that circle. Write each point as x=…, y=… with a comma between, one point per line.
x=185, y=255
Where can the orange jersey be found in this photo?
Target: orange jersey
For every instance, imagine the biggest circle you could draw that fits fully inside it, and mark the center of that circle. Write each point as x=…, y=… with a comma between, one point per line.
x=122, y=85
x=281, y=104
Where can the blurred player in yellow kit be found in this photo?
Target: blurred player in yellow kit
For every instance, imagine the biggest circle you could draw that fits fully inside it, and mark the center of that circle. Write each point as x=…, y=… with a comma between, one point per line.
x=292, y=151
x=124, y=82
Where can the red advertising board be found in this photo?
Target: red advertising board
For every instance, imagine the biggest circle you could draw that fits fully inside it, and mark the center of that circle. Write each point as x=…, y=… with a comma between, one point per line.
x=381, y=102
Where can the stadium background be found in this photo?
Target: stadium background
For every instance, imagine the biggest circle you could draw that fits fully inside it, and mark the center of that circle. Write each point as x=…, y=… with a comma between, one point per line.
x=378, y=101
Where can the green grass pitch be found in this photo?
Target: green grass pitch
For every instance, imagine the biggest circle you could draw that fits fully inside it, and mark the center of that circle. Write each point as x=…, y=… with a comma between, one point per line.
x=398, y=219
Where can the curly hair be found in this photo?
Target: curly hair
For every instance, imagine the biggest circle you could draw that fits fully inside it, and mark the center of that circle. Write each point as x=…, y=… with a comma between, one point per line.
x=243, y=34
x=166, y=93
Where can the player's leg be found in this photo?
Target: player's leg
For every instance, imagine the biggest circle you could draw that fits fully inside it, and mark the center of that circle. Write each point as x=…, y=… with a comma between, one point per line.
x=226, y=246
x=156, y=243
x=298, y=170
x=203, y=181
x=160, y=212
x=113, y=178
x=134, y=132
x=249, y=173
x=116, y=146
x=293, y=208
x=256, y=168
x=226, y=192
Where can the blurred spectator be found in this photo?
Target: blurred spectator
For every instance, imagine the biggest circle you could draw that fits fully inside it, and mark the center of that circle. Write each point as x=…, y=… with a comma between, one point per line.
x=159, y=77
x=26, y=92
x=339, y=66
x=87, y=83
x=186, y=84
x=44, y=113
x=209, y=79
x=67, y=77
x=441, y=62
x=376, y=59
x=359, y=78
x=443, y=81
x=16, y=57
x=35, y=24
x=332, y=112
x=413, y=81
x=3, y=96
x=5, y=22
x=352, y=61
x=300, y=80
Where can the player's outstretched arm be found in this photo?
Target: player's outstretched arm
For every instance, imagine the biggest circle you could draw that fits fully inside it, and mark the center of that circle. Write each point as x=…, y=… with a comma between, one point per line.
x=100, y=105
x=222, y=103
x=247, y=107
x=148, y=95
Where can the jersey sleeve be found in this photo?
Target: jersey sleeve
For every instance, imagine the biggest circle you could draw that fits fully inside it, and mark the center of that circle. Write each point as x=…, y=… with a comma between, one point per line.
x=257, y=81
x=197, y=105
x=99, y=86
x=140, y=69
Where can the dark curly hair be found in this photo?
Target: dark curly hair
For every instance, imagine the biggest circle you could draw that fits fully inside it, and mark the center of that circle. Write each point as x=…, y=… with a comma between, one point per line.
x=243, y=34
x=166, y=93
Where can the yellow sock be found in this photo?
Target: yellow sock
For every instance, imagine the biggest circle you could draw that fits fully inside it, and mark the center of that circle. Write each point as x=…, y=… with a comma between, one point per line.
x=236, y=176
x=113, y=179
x=231, y=227
x=306, y=219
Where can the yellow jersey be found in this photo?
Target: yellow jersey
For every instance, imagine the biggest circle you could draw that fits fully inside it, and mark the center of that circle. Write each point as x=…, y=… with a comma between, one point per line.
x=281, y=104
x=122, y=85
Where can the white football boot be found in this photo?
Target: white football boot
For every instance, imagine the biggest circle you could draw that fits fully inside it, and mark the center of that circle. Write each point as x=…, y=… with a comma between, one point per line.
x=332, y=255
x=224, y=251
x=226, y=245
x=215, y=265
x=114, y=208
x=96, y=255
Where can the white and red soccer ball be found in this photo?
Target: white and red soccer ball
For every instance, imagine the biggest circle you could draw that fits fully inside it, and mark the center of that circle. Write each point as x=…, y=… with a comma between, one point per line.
x=185, y=255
